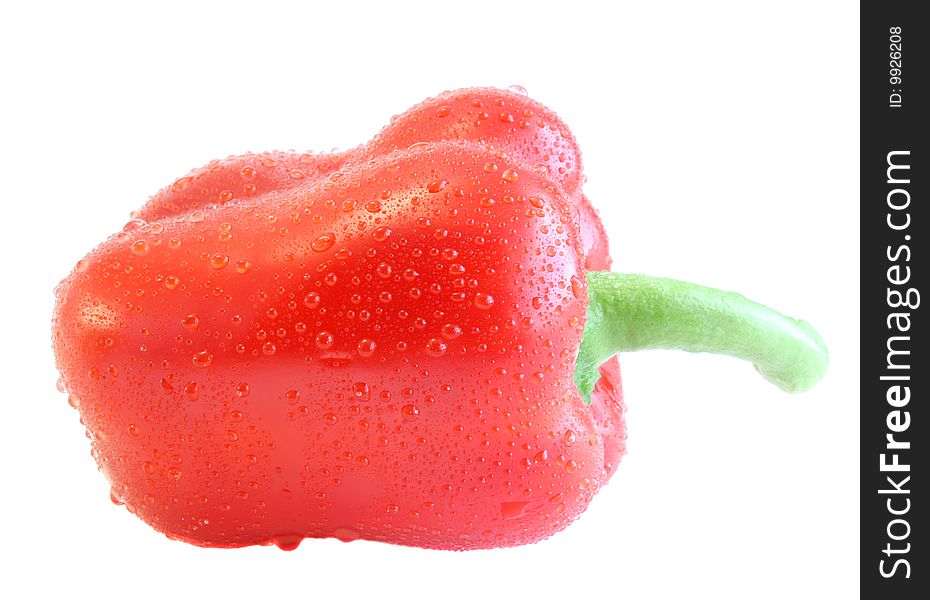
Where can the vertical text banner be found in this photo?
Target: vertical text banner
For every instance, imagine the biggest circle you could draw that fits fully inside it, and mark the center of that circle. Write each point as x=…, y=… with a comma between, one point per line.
x=894, y=367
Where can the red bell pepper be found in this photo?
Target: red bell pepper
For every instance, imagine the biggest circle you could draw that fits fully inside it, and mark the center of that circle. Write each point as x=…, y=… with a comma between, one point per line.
x=408, y=342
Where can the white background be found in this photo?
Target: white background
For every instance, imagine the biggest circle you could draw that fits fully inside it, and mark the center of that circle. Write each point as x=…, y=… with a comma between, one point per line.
x=721, y=146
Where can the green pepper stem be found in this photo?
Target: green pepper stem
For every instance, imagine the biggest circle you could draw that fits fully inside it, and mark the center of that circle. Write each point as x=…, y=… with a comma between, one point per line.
x=638, y=312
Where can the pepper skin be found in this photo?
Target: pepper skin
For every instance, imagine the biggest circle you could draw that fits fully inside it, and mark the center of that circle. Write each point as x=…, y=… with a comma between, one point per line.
x=387, y=344
x=504, y=120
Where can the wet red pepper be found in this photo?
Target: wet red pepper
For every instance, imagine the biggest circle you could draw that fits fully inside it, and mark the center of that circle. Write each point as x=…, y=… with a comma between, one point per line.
x=385, y=343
